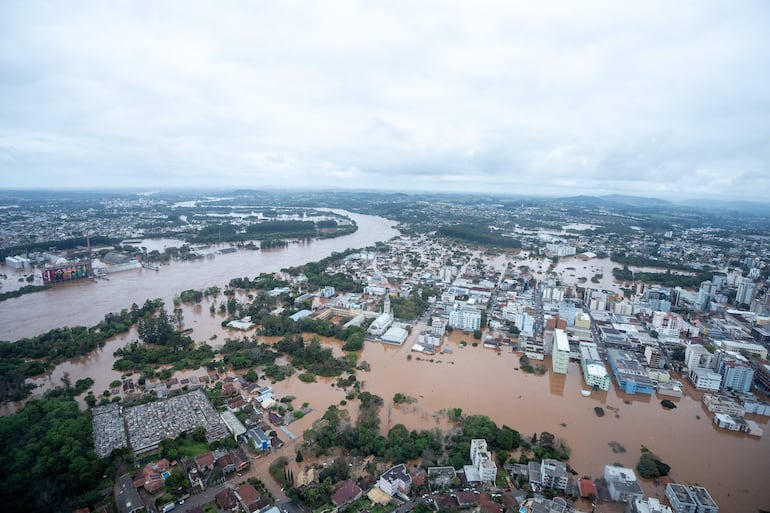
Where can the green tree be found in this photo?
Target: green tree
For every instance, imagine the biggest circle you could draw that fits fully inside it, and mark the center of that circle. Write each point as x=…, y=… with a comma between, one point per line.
x=175, y=480
x=199, y=434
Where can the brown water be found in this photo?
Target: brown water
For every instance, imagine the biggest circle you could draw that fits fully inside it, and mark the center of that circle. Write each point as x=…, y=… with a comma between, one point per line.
x=571, y=269
x=85, y=302
x=733, y=467
x=480, y=381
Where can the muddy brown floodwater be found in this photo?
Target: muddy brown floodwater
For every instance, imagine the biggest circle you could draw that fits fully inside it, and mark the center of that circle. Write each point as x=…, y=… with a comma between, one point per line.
x=85, y=302
x=734, y=467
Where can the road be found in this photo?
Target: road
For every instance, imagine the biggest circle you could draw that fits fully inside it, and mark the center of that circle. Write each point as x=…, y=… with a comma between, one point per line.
x=201, y=499
x=259, y=469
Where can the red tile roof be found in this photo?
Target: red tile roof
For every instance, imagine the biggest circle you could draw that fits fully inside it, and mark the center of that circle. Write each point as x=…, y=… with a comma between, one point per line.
x=587, y=487
x=247, y=493
x=347, y=492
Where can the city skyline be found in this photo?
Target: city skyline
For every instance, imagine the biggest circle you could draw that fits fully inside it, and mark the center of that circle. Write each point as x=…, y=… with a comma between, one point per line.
x=654, y=100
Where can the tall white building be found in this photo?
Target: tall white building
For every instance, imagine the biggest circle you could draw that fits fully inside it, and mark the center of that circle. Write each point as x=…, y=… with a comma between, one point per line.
x=554, y=293
x=666, y=323
x=553, y=474
x=438, y=327
x=465, y=319
x=697, y=357
x=649, y=505
x=560, y=355
x=746, y=291
x=690, y=499
x=737, y=374
x=705, y=379
x=482, y=460
x=622, y=484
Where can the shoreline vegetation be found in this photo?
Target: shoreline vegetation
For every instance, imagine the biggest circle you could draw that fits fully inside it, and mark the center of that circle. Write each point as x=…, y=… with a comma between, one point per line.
x=26, y=289
x=269, y=235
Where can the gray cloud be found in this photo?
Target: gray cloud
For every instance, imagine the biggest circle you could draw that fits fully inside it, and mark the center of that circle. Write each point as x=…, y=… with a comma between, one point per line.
x=568, y=97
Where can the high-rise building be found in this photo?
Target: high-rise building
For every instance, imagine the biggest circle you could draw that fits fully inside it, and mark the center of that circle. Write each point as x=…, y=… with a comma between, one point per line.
x=746, y=291
x=465, y=319
x=704, y=295
x=659, y=299
x=553, y=474
x=652, y=356
x=560, y=355
x=735, y=370
x=697, y=357
x=482, y=460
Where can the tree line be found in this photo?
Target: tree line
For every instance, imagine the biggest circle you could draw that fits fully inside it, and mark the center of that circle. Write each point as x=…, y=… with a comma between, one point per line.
x=479, y=234
x=32, y=356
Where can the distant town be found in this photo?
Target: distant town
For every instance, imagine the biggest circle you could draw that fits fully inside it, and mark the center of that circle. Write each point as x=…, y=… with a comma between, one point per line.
x=263, y=393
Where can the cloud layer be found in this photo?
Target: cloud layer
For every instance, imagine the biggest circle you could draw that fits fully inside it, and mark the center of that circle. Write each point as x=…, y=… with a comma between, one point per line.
x=651, y=98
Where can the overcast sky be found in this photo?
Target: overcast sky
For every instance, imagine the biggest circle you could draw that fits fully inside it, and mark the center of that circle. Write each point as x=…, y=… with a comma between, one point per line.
x=647, y=98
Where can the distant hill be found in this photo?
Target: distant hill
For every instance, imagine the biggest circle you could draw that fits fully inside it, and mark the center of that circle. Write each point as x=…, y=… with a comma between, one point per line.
x=639, y=201
x=746, y=207
x=614, y=200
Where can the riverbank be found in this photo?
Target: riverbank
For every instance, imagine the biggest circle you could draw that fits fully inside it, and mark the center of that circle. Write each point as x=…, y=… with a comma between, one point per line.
x=86, y=302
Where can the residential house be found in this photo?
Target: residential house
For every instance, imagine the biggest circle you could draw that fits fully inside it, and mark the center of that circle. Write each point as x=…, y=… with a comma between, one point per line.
x=349, y=491
x=465, y=499
x=226, y=463
x=205, y=462
x=587, y=489
x=226, y=500
x=240, y=460
x=150, y=476
x=248, y=497
x=260, y=439
x=236, y=403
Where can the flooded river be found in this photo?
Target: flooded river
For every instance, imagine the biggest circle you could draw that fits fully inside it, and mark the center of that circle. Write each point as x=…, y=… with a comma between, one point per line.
x=85, y=302
x=733, y=467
